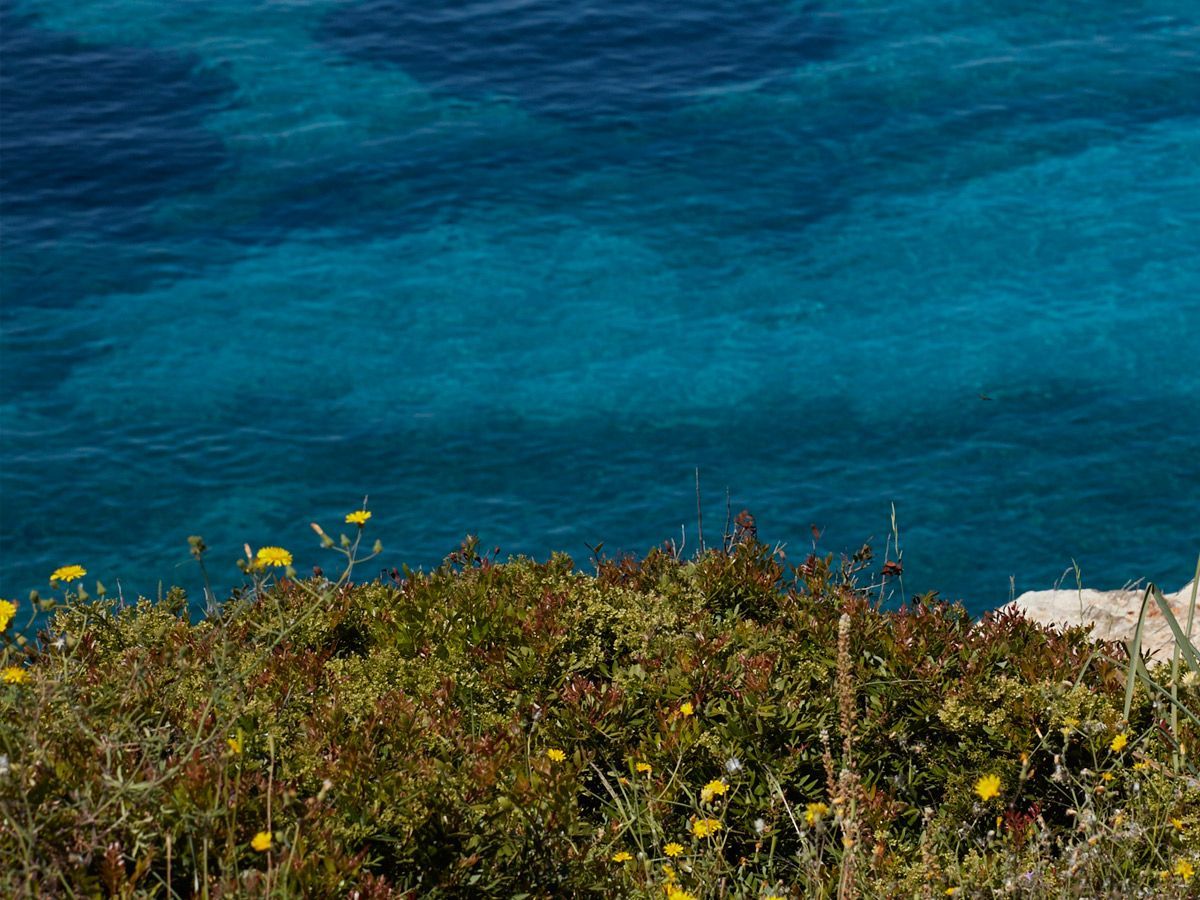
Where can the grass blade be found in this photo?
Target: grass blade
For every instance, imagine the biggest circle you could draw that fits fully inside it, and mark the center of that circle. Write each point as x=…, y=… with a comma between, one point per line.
x=1184, y=645
x=1135, y=655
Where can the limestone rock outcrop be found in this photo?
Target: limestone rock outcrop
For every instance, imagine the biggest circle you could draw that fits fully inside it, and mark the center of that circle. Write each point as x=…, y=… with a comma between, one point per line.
x=1113, y=615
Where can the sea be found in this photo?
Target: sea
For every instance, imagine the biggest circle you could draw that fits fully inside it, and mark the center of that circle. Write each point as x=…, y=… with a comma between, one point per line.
x=536, y=270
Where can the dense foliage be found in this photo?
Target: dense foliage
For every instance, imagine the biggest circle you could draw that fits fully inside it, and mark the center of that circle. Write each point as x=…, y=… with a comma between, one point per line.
x=722, y=726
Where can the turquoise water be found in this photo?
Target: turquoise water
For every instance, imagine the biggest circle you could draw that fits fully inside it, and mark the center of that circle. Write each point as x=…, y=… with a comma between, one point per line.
x=519, y=268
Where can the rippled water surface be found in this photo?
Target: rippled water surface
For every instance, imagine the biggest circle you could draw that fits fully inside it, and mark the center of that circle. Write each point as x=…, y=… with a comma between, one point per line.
x=518, y=268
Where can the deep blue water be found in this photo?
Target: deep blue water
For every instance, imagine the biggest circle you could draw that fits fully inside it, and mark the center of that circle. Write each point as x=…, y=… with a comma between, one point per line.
x=518, y=267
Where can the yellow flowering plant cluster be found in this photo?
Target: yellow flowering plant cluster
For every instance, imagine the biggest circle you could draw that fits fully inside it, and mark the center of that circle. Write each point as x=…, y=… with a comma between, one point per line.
x=68, y=574
x=703, y=828
x=815, y=813
x=988, y=787
x=272, y=557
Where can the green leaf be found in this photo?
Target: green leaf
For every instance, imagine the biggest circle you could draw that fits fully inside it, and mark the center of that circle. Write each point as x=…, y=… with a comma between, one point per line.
x=1182, y=644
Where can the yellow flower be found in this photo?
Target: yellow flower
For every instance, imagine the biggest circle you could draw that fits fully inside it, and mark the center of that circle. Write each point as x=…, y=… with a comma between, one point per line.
x=556, y=755
x=669, y=871
x=68, y=573
x=702, y=828
x=235, y=743
x=1141, y=765
x=772, y=897
x=15, y=675
x=1119, y=742
x=815, y=812
x=644, y=768
x=623, y=857
x=261, y=842
x=951, y=892
x=273, y=556
x=1178, y=823
x=358, y=517
x=987, y=787
x=686, y=710
x=713, y=789
x=8, y=609
x=673, y=849
x=676, y=893
x=1184, y=870
x=1106, y=776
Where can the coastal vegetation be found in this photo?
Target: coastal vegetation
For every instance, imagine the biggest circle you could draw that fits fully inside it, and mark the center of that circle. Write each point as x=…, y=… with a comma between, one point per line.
x=737, y=723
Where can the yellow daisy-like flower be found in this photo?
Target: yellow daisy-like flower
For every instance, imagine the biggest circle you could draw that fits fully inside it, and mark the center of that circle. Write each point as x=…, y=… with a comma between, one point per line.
x=987, y=787
x=669, y=872
x=623, y=857
x=261, y=841
x=15, y=675
x=1106, y=776
x=676, y=893
x=235, y=744
x=673, y=849
x=556, y=755
x=686, y=710
x=1141, y=765
x=1119, y=742
x=1185, y=870
x=1178, y=823
x=273, y=556
x=8, y=609
x=713, y=789
x=644, y=768
x=68, y=573
x=815, y=812
x=702, y=828
x=358, y=517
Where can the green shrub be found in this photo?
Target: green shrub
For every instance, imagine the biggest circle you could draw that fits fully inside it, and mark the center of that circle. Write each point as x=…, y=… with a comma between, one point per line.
x=722, y=726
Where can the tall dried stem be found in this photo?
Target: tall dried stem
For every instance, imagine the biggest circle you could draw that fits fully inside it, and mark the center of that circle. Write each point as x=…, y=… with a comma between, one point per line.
x=848, y=791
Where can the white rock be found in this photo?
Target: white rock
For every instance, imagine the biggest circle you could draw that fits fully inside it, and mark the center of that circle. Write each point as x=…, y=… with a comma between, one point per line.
x=1113, y=615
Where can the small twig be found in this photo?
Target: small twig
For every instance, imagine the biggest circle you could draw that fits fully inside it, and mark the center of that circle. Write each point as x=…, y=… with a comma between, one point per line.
x=727, y=537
